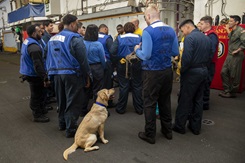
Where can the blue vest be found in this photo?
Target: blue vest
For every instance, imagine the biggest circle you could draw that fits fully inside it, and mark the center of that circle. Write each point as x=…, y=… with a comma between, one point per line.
x=162, y=37
x=26, y=63
x=59, y=58
x=102, y=38
x=126, y=44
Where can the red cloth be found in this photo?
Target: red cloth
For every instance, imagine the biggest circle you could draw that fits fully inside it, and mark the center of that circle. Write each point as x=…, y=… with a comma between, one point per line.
x=25, y=35
x=215, y=57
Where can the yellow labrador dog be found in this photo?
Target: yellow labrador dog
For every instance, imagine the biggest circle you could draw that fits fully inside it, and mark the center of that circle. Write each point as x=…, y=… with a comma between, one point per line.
x=92, y=123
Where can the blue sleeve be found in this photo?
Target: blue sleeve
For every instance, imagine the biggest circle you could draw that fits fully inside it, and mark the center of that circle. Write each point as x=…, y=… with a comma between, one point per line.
x=187, y=54
x=78, y=50
x=175, y=47
x=144, y=52
x=102, y=55
x=215, y=42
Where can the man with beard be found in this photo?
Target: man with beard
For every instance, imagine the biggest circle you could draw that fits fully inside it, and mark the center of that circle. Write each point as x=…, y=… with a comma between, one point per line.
x=32, y=70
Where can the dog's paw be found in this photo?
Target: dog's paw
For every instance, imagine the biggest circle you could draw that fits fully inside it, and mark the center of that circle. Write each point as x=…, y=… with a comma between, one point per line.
x=105, y=141
x=91, y=148
x=96, y=147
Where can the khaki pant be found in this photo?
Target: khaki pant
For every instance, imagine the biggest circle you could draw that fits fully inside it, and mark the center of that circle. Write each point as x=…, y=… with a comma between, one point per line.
x=231, y=72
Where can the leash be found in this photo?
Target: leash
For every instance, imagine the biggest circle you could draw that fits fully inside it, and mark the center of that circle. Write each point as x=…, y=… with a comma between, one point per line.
x=132, y=59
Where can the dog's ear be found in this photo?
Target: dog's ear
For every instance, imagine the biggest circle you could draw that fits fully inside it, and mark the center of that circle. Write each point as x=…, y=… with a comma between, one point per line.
x=103, y=96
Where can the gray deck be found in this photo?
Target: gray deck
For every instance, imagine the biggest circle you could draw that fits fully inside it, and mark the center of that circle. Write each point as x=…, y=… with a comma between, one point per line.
x=23, y=141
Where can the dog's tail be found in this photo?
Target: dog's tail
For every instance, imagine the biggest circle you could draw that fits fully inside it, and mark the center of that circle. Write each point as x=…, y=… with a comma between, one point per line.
x=70, y=150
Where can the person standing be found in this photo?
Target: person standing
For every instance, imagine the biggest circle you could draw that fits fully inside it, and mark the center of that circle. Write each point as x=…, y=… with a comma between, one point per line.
x=48, y=26
x=106, y=40
x=159, y=44
x=138, y=30
x=81, y=29
x=96, y=58
x=67, y=62
x=50, y=93
x=120, y=30
x=206, y=28
x=231, y=70
x=32, y=70
x=122, y=46
x=195, y=58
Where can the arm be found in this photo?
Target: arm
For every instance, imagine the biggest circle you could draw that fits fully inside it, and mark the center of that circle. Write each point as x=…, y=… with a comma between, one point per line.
x=242, y=47
x=114, y=48
x=109, y=42
x=102, y=54
x=80, y=54
x=215, y=41
x=227, y=28
x=187, y=54
x=145, y=52
x=36, y=55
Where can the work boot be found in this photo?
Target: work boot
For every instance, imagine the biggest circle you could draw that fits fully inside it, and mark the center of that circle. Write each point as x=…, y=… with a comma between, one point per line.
x=145, y=138
x=168, y=135
x=228, y=95
x=180, y=131
x=41, y=118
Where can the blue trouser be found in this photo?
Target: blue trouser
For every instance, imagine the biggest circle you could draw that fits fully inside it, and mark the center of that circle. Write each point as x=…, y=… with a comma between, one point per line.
x=135, y=82
x=206, y=94
x=190, y=102
x=69, y=91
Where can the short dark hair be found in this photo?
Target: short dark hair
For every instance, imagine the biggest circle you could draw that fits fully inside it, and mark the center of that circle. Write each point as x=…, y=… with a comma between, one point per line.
x=68, y=19
x=129, y=27
x=47, y=22
x=38, y=24
x=207, y=19
x=79, y=25
x=102, y=26
x=31, y=29
x=91, y=33
x=83, y=27
x=187, y=21
x=236, y=18
x=119, y=25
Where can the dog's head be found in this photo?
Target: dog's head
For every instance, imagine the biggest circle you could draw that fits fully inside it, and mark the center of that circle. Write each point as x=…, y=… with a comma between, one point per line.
x=104, y=95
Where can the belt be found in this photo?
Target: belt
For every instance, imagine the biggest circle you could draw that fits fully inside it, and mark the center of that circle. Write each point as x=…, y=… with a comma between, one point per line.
x=199, y=65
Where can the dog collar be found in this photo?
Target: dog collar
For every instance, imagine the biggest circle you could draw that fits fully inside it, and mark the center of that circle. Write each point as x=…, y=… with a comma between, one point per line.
x=100, y=104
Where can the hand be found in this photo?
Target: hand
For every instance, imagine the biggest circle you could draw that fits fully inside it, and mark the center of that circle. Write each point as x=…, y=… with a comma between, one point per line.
x=137, y=47
x=87, y=83
x=235, y=51
x=47, y=83
x=227, y=28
